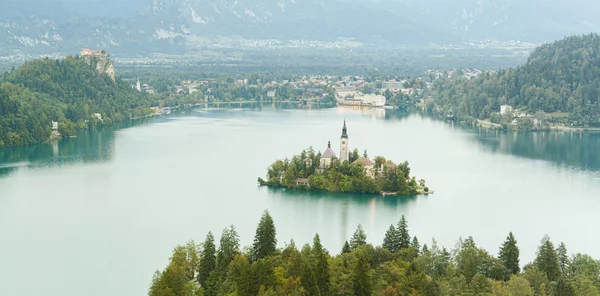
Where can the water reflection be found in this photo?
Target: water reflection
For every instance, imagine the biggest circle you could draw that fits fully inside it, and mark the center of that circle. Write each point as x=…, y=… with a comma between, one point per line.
x=259, y=106
x=574, y=149
x=340, y=198
x=88, y=147
x=341, y=209
x=98, y=146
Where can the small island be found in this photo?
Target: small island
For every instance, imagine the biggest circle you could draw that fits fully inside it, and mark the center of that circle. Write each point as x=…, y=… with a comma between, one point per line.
x=350, y=173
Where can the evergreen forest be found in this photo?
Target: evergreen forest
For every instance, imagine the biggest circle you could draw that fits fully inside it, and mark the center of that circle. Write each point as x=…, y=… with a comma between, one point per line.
x=401, y=265
x=68, y=91
x=558, y=84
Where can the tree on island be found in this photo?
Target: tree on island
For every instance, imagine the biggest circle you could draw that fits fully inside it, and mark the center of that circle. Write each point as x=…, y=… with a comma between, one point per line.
x=354, y=155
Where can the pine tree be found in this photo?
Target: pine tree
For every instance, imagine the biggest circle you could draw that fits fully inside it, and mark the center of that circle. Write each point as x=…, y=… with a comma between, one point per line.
x=547, y=259
x=563, y=288
x=291, y=255
x=346, y=248
x=389, y=241
x=321, y=264
x=563, y=259
x=208, y=259
x=415, y=243
x=362, y=274
x=229, y=246
x=509, y=254
x=265, y=242
x=403, y=236
x=359, y=238
x=211, y=288
x=240, y=273
x=308, y=279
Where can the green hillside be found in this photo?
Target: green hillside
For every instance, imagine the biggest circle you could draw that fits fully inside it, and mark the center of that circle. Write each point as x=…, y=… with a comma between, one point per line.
x=69, y=91
x=559, y=78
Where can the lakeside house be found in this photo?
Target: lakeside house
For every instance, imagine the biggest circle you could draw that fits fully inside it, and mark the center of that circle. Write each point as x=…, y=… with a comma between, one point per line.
x=97, y=116
x=504, y=109
x=368, y=166
x=55, y=128
x=392, y=85
x=356, y=98
x=301, y=181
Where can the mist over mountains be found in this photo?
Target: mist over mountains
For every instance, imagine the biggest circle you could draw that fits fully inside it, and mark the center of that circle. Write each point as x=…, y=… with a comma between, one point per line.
x=178, y=26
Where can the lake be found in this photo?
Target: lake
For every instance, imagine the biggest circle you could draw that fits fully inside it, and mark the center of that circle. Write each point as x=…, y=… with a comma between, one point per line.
x=97, y=215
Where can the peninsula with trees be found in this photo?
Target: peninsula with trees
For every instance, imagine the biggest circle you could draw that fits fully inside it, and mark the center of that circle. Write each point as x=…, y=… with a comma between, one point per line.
x=350, y=173
x=556, y=89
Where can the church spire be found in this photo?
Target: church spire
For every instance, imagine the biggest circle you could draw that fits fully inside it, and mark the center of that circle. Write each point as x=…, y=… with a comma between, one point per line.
x=344, y=131
x=138, y=86
x=344, y=155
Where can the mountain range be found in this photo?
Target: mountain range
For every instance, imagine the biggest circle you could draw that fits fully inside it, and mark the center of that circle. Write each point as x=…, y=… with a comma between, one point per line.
x=137, y=27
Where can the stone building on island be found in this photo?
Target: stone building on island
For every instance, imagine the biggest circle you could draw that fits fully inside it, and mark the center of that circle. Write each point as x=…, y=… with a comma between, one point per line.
x=344, y=152
x=327, y=156
x=367, y=164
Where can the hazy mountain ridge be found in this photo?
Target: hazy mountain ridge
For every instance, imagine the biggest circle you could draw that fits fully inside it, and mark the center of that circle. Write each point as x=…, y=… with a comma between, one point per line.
x=532, y=20
x=174, y=26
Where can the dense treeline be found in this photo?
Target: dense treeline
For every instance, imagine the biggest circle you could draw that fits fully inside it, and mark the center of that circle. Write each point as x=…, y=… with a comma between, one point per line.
x=400, y=266
x=562, y=77
x=226, y=89
x=346, y=177
x=69, y=91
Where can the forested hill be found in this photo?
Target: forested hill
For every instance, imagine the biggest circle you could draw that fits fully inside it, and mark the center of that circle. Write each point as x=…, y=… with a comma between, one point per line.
x=69, y=91
x=560, y=77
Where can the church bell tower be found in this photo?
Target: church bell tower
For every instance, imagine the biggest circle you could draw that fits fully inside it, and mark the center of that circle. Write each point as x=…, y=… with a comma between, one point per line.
x=344, y=144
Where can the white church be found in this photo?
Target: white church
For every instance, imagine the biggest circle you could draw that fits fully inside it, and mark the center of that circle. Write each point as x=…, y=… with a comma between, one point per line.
x=328, y=155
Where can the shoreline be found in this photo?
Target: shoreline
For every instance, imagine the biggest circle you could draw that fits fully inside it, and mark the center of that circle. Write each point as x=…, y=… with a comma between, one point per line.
x=557, y=128
x=383, y=194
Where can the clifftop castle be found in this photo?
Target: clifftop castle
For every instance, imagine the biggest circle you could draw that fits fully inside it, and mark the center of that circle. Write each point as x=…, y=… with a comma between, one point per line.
x=103, y=63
